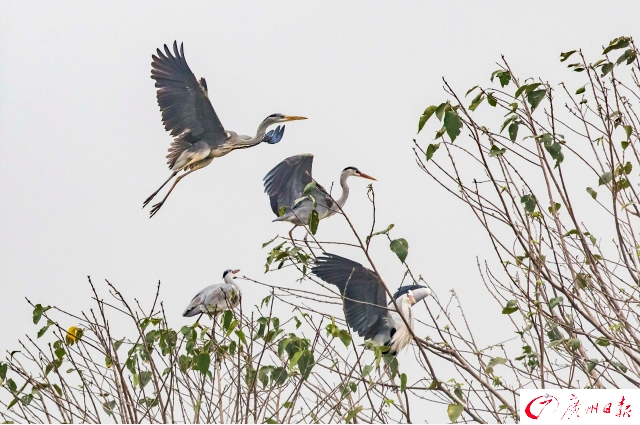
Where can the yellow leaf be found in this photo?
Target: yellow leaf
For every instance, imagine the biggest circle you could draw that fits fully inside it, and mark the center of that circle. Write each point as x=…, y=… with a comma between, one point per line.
x=73, y=335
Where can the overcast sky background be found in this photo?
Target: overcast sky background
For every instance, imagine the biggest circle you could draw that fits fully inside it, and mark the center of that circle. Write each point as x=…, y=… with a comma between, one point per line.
x=82, y=144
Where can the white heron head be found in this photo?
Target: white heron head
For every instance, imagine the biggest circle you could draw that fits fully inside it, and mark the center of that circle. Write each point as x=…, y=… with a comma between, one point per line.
x=411, y=299
x=229, y=274
x=278, y=118
x=353, y=171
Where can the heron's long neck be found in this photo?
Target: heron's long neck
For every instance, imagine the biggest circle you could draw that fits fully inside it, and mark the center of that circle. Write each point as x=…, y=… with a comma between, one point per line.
x=262, y=130
x=231, y=281
x=345, y=190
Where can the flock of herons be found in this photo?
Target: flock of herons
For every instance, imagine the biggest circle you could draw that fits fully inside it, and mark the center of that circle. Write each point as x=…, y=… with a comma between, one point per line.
x=199, y=137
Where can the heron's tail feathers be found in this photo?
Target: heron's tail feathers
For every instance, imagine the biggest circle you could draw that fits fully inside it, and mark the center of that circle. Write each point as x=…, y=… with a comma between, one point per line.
x=190, y=312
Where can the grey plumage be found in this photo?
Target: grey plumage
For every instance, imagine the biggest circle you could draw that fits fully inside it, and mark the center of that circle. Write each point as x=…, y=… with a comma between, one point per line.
x=188, y=115
x=214, y=299
x=365, y=301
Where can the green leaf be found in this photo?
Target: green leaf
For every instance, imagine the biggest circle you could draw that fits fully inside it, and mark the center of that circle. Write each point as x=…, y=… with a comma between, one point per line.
x=607, y=68
x=269, y=242
x=520, y=90
x=352, y=414
x=511, y=307
x=503, y=76
x=591, y=364
x=3, y=371
x=440, y=132
x=605, y=178
x=555, y=335
x=512, y=118
x=581, y=90
x=492, y=100
x=564, y=56
x=553, y=147
x=470, y=90
x=554, y=302
x=313, y=222
x=294, y=360
x=108, y=362
x=38, y=310
x=425, y=116
x=617, y=43
x=628, y=130
x=535, y=97
x=555, y=207
x=496, y=151
x=494, y=362
x=592, y=192
x=400, y=247
x=573, y=343
x=476, y=101
x=403, y=382
x=345, y=337
x=309, y=187
x=145, y=378
x=603, y=342
x=227, y=316
x=108, y=407
x=513, y=131
x=305, y=363
x=58, y=390
x=441, y=109
x=43, y=330
x=431, y=149
x=367, y=370
x=622, y=368
x=454, y=411
x=279, y=376
x=453, y=124
x=202, y=362
x=529, y=202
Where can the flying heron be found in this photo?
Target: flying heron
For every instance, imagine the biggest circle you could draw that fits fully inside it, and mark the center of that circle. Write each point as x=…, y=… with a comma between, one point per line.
x=214, y=299
x=285, y=185
x=365, y=301
x=187, y=113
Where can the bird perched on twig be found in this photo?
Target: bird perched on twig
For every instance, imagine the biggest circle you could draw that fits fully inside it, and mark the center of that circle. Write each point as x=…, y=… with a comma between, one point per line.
x=286, y=182
x=188, y=114
x=215, y=299
x=364, y=300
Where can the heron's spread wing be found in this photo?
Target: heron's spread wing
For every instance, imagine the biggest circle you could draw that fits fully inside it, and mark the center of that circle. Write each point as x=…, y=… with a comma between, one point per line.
x=183, y=100
x=286, y=181
x=364, y=293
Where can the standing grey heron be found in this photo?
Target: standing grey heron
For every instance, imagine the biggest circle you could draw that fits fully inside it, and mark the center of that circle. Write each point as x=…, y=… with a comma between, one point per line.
x=214, y=299
x=187, y=113
x=364, y=299
x=285, y=185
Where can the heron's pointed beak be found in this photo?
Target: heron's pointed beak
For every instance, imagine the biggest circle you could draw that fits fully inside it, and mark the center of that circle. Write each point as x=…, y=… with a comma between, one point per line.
x=293, y=118
x=366, y=176
x=412, y=299
x=235, y=271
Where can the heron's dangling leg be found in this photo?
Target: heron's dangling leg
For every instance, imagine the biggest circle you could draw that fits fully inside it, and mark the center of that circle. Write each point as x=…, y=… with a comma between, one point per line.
x=306, y=235
x=291, y=235
x=159, y=189
x=157, y=206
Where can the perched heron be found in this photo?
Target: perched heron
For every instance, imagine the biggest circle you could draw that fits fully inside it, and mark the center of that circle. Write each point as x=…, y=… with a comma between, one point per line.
x=187, y=113
x=214, y=299
x=364, y=300
x=285, y=185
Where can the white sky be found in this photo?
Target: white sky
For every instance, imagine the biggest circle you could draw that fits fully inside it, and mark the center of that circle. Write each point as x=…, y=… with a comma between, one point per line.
x=82, y=144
